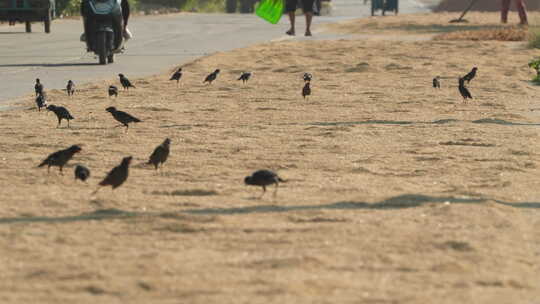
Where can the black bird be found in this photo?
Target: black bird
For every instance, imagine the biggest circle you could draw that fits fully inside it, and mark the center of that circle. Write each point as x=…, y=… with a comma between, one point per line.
x=470, y=76
x=60, y=158
x=38, y=87
x=463, y=90
x=307, y=77
x=160, y=154
x=113, y=90
x=82, y=173
x=306, y=91
x=436, y=82
x=122, y=117
x=41, y=101
x=70, y=88
x=125, y=82
x=177, y=75
x=211, y=77
x=118, y=175
x=61, y=113
x=263, y=178
x=245, y=77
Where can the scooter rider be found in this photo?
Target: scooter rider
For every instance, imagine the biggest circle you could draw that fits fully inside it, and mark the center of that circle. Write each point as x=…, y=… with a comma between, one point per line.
x=124, y=4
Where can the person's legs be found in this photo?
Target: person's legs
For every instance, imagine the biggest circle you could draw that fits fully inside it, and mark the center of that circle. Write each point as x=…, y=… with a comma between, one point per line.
x=307, y=6
x=504, y=10
x=290, y=8
x=291, y=19
x=309, y=16
x=522, y=12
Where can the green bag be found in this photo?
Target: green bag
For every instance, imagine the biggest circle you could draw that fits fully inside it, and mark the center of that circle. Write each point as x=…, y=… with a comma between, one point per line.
x=270, y=10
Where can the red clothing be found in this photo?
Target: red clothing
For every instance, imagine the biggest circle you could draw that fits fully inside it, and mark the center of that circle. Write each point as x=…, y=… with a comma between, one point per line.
x=520, y=4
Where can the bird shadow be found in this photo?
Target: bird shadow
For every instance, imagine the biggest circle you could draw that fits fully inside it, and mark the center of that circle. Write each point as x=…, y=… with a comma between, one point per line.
x=496, y=121
x=393, y=203
x=45, y=65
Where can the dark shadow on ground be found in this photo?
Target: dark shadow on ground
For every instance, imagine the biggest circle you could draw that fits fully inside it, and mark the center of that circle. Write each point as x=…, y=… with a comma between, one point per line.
x=48, y=65
x=496, y=121
x=393, y=203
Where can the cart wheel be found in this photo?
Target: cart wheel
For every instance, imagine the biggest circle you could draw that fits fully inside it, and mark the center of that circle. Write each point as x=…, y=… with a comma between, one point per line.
x=48, y=22
x=28, y=26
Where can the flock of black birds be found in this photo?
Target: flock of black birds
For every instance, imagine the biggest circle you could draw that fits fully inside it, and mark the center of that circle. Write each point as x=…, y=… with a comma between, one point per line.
x=463, y=90
x=119, y=174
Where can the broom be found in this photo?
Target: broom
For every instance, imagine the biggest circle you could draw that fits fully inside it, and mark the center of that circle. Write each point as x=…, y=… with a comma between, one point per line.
x=460, y=19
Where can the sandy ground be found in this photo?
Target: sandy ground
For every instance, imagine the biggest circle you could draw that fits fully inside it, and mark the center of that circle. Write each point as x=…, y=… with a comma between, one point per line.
x=396, y=193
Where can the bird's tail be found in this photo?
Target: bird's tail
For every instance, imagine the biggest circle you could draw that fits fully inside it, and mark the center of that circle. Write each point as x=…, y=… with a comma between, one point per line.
x=136, y=120
x=239, y=78
x=42, y=164
x=71, y=117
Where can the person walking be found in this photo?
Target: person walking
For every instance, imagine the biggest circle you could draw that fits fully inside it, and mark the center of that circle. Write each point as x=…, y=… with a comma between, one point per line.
x=307, y=7
x=520, y=4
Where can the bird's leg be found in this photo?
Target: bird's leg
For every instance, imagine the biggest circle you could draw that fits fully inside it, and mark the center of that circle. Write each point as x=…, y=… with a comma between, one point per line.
x=264, y=191
x=275, y=191
x=127, y=128
x=48, y=169
x=59, y=122
x=68, y=123
x=61, y=172
x=93, y=193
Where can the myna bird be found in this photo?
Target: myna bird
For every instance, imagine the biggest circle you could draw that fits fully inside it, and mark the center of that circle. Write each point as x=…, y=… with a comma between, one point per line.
x=38, y=87
x=437, y=82
x=463, y=90
x=125, y=82
x=70, y=88
x=244, y=77
x=41, y=101
x=307, y=77
x=177, y=75
x=470, y=76
x=113, y=90
x=122, y=117
x=61, y=113
x=306, y=91
x=117, y=176
x=263, y=178
x=82, y=173
x=60, y=158
x=160, y=154
x=211, y=77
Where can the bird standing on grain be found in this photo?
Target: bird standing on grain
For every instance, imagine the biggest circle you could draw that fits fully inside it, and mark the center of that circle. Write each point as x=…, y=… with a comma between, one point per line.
x=463, y=90
x=38, y=87
x=306, y=91
x=263, y=178
x=307, y=77
x=70, y=88
x=470, y=76
x=61, y=113
x=126, y=84
x=117, y=176
x=177, y=75
x=437, y=82
x=122, y=117
x=244, y=77
x=41, y=101
x=211, y=77
x=113, y=90
x=60, y=158
x=160, y=154
x=82, y=173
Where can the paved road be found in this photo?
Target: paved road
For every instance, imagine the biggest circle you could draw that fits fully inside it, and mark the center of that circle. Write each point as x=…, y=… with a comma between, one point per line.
x=160, y=42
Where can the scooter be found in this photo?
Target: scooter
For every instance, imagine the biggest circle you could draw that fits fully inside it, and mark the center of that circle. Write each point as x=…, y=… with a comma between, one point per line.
x=103, y=28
